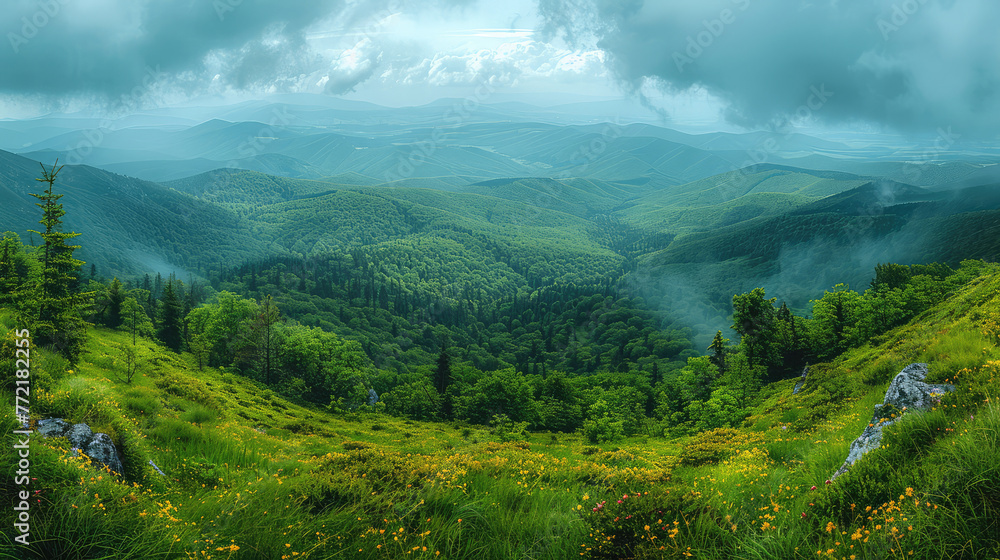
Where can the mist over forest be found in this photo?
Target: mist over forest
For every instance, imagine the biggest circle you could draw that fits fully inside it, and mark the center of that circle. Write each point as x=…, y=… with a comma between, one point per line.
x=551, y=279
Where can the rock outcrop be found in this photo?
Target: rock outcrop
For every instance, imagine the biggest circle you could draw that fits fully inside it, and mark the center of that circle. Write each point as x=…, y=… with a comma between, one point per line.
x=907, y=392
x=801, y=381
x=98, y=447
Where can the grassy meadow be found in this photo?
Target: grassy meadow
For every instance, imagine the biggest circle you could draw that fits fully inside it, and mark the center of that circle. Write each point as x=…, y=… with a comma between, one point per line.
x=249, y=474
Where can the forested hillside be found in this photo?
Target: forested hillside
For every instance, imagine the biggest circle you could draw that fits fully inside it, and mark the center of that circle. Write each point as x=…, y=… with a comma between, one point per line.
x=408, y=397
x=520, y=280
x=530, y=342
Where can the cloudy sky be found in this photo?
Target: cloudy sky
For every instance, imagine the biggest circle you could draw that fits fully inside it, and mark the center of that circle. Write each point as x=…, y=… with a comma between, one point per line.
x=911, y=66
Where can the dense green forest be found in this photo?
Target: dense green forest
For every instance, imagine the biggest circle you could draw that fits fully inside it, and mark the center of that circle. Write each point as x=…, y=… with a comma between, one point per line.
x=453, y=324
x=437, y=371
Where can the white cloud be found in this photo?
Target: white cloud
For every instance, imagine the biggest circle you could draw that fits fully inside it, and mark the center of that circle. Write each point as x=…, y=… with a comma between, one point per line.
x=324, y=46
x=508, y=64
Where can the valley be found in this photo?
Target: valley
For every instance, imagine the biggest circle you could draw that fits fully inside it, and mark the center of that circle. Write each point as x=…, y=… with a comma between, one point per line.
x=318, y=328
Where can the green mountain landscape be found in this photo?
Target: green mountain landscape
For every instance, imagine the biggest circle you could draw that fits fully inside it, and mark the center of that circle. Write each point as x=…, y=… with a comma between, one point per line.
x=483, y=364
x=525, y=280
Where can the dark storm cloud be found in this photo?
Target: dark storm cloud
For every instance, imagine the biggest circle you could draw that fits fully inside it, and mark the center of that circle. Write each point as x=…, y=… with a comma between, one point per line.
x=915, y=65
x=129, y=52
x=109, y=47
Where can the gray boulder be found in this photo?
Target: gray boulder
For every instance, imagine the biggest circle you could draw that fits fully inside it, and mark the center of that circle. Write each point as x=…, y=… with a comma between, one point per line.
x=79, y=435
x=102, y=449
x=98, y=447
x=53, y=427
x=907, y=392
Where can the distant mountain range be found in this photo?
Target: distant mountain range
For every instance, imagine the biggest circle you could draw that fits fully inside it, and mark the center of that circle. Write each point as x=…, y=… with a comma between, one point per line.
x=691, y=217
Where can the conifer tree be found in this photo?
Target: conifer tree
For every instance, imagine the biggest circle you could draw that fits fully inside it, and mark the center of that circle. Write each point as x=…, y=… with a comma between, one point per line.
x=8, y=278
x=116, y=296
x=266, y=320
x=718, y=348
x=442, y=380
x=55, y=314
x=15, y=268
x=442, y=375
x=754, y=320
x=258, y=339
x=170, y=330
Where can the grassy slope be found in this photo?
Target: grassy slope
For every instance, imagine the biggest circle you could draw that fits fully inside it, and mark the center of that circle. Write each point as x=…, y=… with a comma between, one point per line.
x=248, y=469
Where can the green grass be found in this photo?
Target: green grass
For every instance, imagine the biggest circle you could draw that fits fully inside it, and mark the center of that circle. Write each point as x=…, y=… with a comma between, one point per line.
x=246, y=468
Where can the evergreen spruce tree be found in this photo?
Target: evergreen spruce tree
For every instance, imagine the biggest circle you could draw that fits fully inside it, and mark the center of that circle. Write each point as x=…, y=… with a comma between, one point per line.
x=55, y=305
x=718, y=348
x=268, y=317
x=15, y=268
x=258, y=340
x=442, y=375
x=116, y=296
x=657, y=375
x=442, y=380
x=170, y=330
x=8, y=277
x=754, y=319
x=157, y=292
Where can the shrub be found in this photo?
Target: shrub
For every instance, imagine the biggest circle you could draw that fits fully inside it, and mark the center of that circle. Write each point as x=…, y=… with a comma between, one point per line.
x=187, y=388
x=602, y=430
x=508, y=430
x=709, y=447
x=602, y=425
x=299, y=426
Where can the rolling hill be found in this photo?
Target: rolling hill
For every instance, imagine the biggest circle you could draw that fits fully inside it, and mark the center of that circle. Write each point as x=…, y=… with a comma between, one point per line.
x=128, y=225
